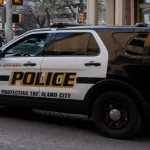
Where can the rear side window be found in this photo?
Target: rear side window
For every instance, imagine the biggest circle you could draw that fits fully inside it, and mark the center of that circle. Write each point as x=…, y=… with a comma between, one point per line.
x=92, y=48
x=72, y=44
x=134, y=43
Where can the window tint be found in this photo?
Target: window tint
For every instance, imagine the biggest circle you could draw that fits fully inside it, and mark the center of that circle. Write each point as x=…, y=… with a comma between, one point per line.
x=93, y=48
x=71, y=44
x=49, y=45
x=134, y=43
x=31, y=45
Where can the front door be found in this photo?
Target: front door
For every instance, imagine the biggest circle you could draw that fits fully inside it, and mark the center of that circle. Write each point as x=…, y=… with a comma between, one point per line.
x=20, y=66
x=74, y=61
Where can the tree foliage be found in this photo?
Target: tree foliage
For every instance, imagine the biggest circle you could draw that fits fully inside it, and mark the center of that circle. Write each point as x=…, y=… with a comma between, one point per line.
x=44, y=11
x=75, y=6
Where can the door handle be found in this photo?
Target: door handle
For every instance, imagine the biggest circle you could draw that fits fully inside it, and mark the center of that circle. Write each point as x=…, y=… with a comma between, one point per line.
x=29, y=64
x=92, y=64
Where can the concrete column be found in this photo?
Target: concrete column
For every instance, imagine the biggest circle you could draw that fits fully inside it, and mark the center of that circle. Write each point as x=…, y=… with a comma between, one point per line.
x=132, y=13
x=128, y=12
x=92, y=12
x=119, y=12
x=110, y=12
x=8, y=28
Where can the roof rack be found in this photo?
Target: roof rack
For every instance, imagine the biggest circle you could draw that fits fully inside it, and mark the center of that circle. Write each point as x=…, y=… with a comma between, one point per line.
x=141, y=24
x=64, y=25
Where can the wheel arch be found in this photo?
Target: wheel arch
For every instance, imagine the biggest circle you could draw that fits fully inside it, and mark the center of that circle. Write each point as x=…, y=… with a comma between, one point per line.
x=111, y=85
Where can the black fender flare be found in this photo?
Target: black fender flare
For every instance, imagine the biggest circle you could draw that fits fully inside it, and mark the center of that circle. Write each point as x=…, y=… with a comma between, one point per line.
x=109, y=84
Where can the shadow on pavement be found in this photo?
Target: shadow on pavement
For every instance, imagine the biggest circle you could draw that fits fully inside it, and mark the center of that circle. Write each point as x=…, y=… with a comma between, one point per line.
x=68, y=120
x=47, y=117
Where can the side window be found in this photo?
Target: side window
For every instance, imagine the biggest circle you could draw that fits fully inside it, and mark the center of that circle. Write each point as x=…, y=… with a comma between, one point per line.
x=134, y=43
x=137, y=45
x=49, y=45
x=31, y=45
x=71, y=44
x=93, y=48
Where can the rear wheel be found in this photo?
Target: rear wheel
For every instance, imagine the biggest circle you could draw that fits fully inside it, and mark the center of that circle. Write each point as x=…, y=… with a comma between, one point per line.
x=116, y=115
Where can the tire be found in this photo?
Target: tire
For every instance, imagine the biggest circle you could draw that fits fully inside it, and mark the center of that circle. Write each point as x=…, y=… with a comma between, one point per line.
x=124, y=124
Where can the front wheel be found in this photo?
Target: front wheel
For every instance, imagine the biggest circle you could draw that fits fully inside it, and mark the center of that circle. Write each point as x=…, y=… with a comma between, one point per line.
x=116, y=115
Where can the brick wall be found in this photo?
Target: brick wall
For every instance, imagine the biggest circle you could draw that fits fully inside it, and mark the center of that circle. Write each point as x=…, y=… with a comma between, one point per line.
x=128, y=12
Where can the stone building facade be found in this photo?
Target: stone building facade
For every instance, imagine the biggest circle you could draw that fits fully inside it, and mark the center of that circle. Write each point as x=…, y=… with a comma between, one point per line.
x=127, y=12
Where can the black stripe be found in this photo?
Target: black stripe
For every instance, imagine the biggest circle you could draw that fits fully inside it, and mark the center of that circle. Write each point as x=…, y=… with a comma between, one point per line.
x=87, y=80
x=4, y=78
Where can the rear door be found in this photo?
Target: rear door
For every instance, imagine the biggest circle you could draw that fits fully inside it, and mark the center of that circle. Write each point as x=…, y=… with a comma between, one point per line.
x=74, y=61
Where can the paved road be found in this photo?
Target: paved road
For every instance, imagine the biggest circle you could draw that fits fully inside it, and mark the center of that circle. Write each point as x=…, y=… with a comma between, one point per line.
x=53, y=131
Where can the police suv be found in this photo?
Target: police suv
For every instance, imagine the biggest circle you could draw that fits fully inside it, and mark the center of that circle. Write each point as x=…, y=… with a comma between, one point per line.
x=102, y=72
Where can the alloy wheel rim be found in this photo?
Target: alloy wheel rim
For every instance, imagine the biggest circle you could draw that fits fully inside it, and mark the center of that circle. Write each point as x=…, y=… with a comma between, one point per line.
x=115, y=115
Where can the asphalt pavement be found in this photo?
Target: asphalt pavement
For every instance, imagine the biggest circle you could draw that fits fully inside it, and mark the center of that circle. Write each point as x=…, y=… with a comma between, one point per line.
x=40, y=130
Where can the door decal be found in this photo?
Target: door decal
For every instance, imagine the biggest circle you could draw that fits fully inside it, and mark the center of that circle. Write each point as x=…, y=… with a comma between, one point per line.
x=49, y=79
x=11, y=65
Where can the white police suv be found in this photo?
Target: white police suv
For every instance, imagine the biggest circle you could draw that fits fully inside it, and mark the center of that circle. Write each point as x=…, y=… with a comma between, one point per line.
x=102, y=72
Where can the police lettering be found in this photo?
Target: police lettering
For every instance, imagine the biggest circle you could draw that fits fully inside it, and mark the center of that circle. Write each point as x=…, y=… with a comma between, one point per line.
x=47, y=79
x=64, y=95
x=16, y=93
